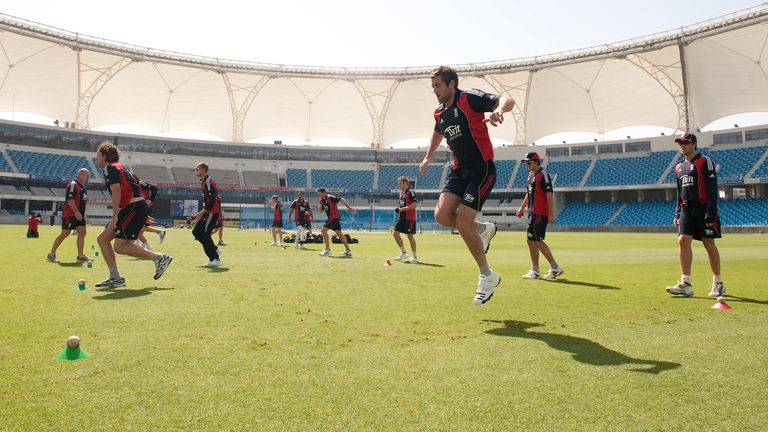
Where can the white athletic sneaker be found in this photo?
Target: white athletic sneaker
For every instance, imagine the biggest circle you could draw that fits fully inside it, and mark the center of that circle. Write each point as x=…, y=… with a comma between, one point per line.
x=485, y=287
x=487, y=234
x=681, y=288
x=273, y=244
x=718, y=289
x=213, y=263
x=346, y=254
x=222, y=243
x=162, y=236
x=553, y=273
x=325, y=252
x=219, y=251
x=413, y=260
x=402, y=256
x=52, y=258
x=532, y=275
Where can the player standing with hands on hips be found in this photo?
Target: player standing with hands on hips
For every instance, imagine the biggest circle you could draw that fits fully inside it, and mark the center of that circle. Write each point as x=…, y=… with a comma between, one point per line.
x=460, y=119
x=696, y=214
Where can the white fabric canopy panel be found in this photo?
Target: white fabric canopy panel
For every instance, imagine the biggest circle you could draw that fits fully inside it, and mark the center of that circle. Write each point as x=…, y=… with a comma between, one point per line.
x=681, y=79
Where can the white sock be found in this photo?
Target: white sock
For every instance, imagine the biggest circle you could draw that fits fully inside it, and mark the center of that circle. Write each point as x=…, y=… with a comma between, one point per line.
x=685, y=278
x=717, y=278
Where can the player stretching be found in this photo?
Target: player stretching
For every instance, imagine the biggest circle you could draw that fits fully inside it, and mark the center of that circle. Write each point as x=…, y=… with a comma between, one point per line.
x=328, y=204
x=73, y=217
x=206, y=219
x=277, y=221
x=461, y=120
x=541, y=211
x=299, y=211
x=129, y=213
x=406, y=219
x=696, y=214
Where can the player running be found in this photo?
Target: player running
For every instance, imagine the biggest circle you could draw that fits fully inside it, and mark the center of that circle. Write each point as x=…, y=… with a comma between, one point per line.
x=129, y=213
x=328, y=204
x=207, y=218
x=300, y=209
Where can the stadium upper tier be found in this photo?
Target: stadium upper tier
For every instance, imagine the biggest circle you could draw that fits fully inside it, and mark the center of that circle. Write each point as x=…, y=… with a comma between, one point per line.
x=681, y=79
x=646, y=169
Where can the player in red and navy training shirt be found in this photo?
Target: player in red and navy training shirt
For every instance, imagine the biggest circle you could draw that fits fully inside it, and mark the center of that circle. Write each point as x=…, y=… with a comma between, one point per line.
x=328, y=204
x=129, y=213
x=300, y=210
x=696, y=214
x=277, y=221
x=541, y=211
x=33, y=221
x=149, y=192
x=73, y=217
x=207, y=218
x=406, y=219
x=460, y=119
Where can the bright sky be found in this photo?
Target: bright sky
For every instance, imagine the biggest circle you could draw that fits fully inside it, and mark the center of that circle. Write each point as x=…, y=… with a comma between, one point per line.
x=370, y=34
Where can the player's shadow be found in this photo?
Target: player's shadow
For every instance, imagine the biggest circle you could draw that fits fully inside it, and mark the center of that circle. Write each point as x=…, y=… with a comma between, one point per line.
x=425, y=264
x=217, y=269
x=72, y=264
x=582, y=350
x=121, y=293
x=728, y=298
x=584, y=284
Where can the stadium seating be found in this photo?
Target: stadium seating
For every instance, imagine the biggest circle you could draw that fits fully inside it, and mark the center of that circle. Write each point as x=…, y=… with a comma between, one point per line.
x=630, y=170
x=186, y=175
x=521, y=179
x=743, y=212
x=224, y=177
x=342, y=179
x=388, y=175
x=41, y=191
x=568, y=173
x=648, y=213
x=735, y=163
x=261, y=179
x=4, y=166
x=593, y=213
x=504, y=170
x=47, y=164
x=152, y=174
x=296, y=177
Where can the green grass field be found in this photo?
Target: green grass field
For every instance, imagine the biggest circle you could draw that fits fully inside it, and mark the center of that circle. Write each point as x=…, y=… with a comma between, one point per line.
x=287, y=340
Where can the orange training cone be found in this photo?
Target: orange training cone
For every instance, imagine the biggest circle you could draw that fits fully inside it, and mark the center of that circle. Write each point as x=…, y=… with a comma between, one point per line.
x=721, y=304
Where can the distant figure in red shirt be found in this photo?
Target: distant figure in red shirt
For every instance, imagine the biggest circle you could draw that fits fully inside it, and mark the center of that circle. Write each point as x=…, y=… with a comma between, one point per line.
x=73, y=216
x=541, y=211
x=328, y=204
x=277, y=221
x=33, y=220
x=406, y=220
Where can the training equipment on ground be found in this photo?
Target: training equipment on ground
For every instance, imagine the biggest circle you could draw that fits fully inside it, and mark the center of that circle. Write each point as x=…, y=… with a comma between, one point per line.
x=73, y=342
x=721, y=304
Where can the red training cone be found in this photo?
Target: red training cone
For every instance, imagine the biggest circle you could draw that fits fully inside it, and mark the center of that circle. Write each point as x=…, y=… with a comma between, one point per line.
x=721, y=304
x=388, y=263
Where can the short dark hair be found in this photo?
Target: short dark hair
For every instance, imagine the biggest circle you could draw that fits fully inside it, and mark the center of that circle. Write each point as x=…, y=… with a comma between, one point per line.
x=110, y=152
x=446, y=74
x=321, y=190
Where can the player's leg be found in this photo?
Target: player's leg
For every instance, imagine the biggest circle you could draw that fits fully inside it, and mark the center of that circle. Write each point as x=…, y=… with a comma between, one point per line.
x=445, y=210
x=684, y=287
x=399, y=241
x=343, y=239
x=128, y=247
x=279, y=236
x=220, y=229
x=713, y=254
x=326, y=240
x=104, y=241
x=56, y=243
x=412, y=241
x=81, y=233
x=465, y=224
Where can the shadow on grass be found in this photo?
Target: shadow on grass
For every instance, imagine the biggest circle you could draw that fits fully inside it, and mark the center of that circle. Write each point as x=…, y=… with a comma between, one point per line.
x=425, y=264
x=214, y=269
x=584, y=284
x=582, y=350
x=122, y=293
x=72, y=264
x=728, y=298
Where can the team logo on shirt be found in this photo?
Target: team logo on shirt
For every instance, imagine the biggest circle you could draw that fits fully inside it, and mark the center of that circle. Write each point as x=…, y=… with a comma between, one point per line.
x=453, y=131
x=469, y=198
x=455, y=112
x=686, y=180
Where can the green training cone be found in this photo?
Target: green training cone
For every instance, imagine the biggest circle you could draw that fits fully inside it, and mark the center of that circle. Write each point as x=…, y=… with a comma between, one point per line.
x=73, y=354
x=80, y=287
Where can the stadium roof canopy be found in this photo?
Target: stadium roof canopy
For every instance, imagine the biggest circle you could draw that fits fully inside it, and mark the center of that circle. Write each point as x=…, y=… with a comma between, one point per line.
x=681, y=79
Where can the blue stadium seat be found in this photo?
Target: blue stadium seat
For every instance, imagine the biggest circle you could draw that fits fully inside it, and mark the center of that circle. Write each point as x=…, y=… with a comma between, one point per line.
x=296, y=177
x=593, y=213
x=47, y=164
x=734, y=164
x=388, y=175
x=648, y=213
x=342, y=179
x=521, y=179
x=568, y=173
x=630, y=170
x=504, y=170
x=743, y=211
x=4, y=167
